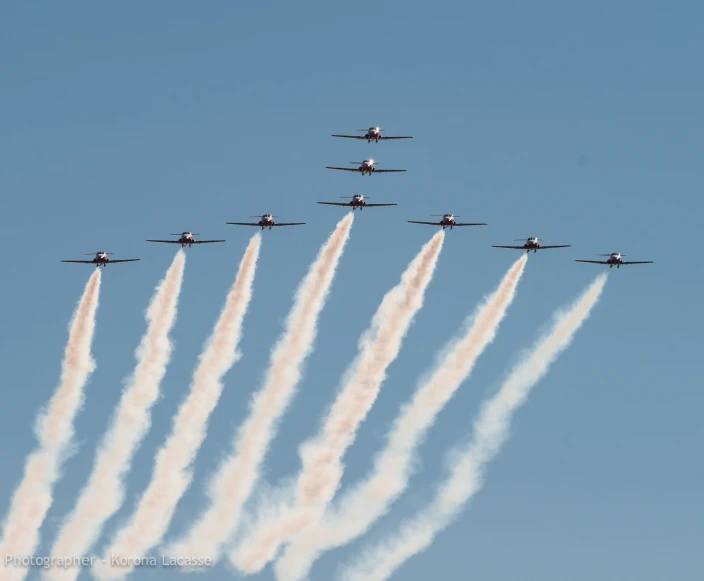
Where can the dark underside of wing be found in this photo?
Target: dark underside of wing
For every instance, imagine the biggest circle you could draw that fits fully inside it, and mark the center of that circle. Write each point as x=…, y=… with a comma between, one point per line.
x=335, y=203
x=429, y=223
x=384, y=137
x=205, y=241
x=244, y=223
x=289, y=224
x=80, y=261
x=125, y=260
x=350, y=136
x=166, y=241
x=639, y=262
x=342, y=168
x=560, y=246
x=389, y=170
x=470, y=224
x=377, y=205
x=512, y=247
x=593, y=261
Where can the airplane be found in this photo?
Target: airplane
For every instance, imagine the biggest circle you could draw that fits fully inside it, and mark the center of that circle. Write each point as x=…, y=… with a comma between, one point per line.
x=366, y=166
x=373, y=134
x=186, y=239
x=101, y=258
x=614, y=259
x=533, y=243
x=357, y=201
x=267, y=221
x=448, y=221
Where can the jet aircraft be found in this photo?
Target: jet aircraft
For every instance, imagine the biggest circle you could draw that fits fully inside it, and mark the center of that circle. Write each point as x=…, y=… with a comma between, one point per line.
x=357, y=201
x=186, y=239
x=373, y=134
x=365, y=166
x=101, y=259
x=533, y=243
x=448, y=221
x=615, y=259
x=266, y=221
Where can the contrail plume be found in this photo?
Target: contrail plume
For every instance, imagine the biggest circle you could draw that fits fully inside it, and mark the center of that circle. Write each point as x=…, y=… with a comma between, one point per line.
x=172, y=472
x=105, y=491
x=54, y=430
x=238, y=473
x=322, y=455
x=491, y=430
x=365, y=503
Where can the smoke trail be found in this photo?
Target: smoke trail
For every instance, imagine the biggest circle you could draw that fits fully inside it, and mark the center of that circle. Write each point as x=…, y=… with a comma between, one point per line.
x=369, y=500
x=491, y=429
x=322, y=456
x=235, y=478
x=105, y=491
x=172, y=473
x=54, y=430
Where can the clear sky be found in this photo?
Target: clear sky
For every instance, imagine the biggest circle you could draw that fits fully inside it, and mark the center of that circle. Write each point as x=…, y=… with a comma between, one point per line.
x=577, y=122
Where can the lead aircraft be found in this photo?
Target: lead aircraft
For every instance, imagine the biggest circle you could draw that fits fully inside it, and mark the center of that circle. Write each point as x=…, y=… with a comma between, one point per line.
x=373, y=134
x=186, y=239
x=533, y=243
x=357, y=201
x=615, y=259
x=101, y=259
x=448, y=221
x=267, y=221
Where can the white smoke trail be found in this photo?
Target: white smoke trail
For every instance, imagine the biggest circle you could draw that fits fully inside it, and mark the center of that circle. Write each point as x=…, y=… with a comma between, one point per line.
x=364, y=504
x=322, y=456
x=491, y=429
x=235, y=478
x=54, y=430
x=105, y=491
x=172, y=472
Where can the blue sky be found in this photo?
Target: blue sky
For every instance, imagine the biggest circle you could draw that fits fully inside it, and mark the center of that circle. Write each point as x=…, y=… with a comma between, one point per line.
x=579, y=124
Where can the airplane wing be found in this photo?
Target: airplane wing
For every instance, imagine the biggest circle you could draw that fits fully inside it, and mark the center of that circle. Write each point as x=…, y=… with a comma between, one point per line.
x=389, y=170
x=336, y=203
x=400, y=137
x=639, y=262
x=124, y=260
x=289, y=224
x=343, y=168
x=470, y=224
x=377, y=205
x=513, y=247
x=80, y=261
x=244, y=223
x=350, y=136
x=429, y=223
x=205, y=241
x=561, y=246
x=593, y=261
x=164, y=242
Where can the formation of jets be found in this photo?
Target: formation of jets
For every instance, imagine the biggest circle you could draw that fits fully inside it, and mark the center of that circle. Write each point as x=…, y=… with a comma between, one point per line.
x=358, y=201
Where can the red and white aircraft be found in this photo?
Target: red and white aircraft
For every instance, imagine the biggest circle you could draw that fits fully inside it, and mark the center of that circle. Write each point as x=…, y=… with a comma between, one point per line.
x=614, y=259
x=448, y=221
x=533, y=243
x=267, y=221
x=357, y=201
x=373, y=134
x=186, y=239
x=101, y=259
x=366, y=166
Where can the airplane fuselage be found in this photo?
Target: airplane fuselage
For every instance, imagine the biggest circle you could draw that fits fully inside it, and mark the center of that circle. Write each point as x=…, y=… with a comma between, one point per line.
x=186, y=239
x=373, y=134
x=358, y=201
x=448, y=221
x=614, y=260
x=267, y=221
x=101, y=258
